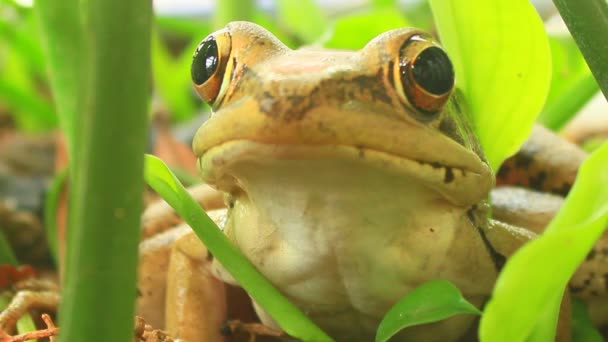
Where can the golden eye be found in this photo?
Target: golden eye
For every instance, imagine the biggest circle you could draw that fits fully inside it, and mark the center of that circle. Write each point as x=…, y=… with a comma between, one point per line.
x=209, y=65
x=427, y=74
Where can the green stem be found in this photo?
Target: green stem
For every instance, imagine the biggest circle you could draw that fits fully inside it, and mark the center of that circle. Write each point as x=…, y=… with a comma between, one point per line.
x=588, y=23
x=106, y=192
x=574, y=98
x=61, y=35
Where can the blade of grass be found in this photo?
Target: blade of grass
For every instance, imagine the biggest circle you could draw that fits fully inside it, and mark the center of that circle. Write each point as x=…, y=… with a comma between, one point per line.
x=106, y=190
x=61, y=37
x=7, y=256
x=51, y=203
x=588, y=24
x=289, y=317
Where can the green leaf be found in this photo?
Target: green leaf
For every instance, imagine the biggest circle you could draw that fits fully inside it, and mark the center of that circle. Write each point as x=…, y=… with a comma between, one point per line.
x=7, y=256
x=51, y=204
x=171, y=78
x=431, y=302
x=582, y=326
x=517, y=310
x=572, y=85
x=588, y=24
x=503, y=66
x=354, y=31
x=302, y=17
x=289, y=317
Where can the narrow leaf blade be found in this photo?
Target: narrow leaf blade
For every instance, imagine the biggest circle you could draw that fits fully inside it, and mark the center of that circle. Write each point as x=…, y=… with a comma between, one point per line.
x=287, y=315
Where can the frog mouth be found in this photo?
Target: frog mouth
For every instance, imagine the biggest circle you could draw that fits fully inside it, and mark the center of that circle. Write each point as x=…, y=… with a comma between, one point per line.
x=464, y=187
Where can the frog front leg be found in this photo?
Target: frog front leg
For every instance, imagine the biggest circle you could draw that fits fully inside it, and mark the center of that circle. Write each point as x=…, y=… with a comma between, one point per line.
x=196, y=305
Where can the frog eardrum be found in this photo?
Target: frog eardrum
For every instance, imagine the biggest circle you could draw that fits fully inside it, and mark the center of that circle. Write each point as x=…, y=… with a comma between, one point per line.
x=427, y=74
x=209, y=65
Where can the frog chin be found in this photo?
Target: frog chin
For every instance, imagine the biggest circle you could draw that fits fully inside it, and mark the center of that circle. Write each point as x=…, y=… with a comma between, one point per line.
x=220, y=165
x=344, y=231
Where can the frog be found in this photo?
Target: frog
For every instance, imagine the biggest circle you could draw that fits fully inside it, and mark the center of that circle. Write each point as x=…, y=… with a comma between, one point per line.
x=351, y=178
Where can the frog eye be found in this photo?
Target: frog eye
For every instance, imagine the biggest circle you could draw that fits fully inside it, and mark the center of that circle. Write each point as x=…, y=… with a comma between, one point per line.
x=426, y=73
x=209, y=65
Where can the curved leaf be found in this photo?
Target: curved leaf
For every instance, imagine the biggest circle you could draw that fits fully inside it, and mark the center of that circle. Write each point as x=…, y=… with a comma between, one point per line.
x=517, y=310
x=503, y=65
x=430, y=302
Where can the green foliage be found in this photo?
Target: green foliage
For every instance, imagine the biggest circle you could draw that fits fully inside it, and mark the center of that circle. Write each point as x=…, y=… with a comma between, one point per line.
x=572, y=84
x=504, y=88
x=174, y=92
x=7, y=256
x=588, y=24
x=518, y=311
x=288, y=316
x=304, y=18
x=21, y=70
x=51, y=205
x=354, y=31
x=431, y=302
x=582, y=327
x=99, y=58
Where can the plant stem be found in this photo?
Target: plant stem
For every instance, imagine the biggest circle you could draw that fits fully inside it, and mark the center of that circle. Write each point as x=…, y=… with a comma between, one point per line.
x=588, y=23
x=61, y=35
x=107, y=184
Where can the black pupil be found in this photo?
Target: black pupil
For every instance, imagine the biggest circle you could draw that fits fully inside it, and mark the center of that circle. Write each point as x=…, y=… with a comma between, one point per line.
x=433, y=71
x=204, y=61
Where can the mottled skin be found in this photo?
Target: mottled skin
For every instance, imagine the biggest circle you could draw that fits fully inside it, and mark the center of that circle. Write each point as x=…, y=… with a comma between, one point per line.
x=343, y=193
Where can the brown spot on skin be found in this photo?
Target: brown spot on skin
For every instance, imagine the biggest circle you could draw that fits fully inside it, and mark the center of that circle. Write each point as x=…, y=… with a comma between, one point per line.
x=591, y=255
x=391, y=77
x=234, y=65
x=374, y=85
x=586, y=282
x=361, y=152
x=435, y=165
x=449, y=127
x=503, y=171
x=563, y=190
x=538, y=181
x=594, y=293
x=432, y=230
x=576, y=289
x=449, y=175
x=523, y=161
